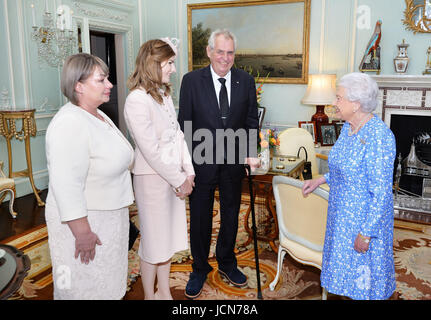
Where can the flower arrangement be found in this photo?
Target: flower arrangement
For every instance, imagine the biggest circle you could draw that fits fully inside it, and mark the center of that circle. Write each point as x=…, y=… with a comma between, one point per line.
x=259, y=83
x=273, y=138
x=259, y=89
x=268, y=138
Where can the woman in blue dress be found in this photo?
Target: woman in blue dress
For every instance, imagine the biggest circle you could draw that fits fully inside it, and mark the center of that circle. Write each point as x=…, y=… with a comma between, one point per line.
x=358, y=250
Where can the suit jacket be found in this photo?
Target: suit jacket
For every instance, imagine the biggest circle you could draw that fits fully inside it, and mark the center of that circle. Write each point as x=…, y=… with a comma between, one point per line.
x=88, y=164
x=199, y=109
x=160, y=145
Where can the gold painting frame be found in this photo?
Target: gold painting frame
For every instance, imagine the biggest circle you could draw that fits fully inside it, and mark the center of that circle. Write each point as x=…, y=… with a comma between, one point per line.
x=409, y=15
x=281, y=66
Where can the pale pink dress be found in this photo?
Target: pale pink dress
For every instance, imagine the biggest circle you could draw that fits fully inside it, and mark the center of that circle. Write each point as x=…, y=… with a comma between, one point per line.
x=162, y=163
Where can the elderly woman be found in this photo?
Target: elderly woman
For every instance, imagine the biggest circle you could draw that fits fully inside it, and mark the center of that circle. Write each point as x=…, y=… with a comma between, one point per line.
x=163, y=170
x=357, y=254
x=90, y=188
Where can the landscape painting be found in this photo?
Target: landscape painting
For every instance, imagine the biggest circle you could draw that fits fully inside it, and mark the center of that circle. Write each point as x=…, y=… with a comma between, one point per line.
x=272, y=36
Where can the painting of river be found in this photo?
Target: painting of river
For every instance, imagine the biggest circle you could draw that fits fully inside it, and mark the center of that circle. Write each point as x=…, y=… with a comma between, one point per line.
x=277, y=66
x=272, y=38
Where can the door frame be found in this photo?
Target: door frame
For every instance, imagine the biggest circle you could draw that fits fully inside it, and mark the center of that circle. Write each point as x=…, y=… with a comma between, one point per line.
x=123, y=51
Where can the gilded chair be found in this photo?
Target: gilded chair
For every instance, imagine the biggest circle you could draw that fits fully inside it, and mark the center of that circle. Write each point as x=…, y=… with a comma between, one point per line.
x=292, y=139
x=301, y=223
x=7, y=185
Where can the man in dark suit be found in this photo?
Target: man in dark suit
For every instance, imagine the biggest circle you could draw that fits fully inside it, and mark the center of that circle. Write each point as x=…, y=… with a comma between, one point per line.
x=213, y=100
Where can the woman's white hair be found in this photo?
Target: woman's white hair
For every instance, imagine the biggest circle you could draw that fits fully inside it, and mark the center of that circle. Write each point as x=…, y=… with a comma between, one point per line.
x=225, y=32
x=360, y=87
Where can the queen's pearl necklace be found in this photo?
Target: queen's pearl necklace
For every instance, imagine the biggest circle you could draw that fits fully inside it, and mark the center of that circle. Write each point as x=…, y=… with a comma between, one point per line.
x=352, y=132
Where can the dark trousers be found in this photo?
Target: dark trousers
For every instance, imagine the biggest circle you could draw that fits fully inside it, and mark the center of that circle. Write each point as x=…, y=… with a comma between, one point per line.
x=201, y=214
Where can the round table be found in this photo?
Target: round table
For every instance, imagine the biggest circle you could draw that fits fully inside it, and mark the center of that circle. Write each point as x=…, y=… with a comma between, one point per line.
x=14, y=267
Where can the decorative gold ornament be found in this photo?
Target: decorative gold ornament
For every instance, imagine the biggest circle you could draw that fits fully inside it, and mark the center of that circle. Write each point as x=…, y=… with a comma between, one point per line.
x=418, y=16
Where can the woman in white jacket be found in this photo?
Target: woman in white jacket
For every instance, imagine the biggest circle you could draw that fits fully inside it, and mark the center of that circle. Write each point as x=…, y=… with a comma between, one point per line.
x=90, y=188
x=163, y=171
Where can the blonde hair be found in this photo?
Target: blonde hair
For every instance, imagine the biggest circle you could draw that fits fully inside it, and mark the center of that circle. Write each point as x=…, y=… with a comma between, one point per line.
x=148, y=70
x=76, y=68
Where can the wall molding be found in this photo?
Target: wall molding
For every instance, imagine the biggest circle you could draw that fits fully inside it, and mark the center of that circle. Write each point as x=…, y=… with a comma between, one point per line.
x=24, y=55
x=114, y=4
x=23, y=186
x=141, y=33
x=353, y=44
x=322, y=35
x=99, y=12
x=102, y=25
x=9, y=48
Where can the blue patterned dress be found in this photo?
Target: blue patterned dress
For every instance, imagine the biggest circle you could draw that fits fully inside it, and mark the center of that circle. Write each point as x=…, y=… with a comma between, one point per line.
x=360, y=201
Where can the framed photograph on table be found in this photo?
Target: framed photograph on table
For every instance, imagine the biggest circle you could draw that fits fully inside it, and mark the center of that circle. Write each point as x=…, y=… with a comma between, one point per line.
x=261, y=114
x=310, y=126
x=338, y=126
x=327, y=133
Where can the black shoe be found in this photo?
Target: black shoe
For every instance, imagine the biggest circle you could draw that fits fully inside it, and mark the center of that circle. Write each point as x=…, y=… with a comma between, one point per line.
x=235, y=277
x=194, y=285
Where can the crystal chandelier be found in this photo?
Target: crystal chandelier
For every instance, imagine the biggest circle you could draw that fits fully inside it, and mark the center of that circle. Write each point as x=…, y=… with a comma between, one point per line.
x=55, y=39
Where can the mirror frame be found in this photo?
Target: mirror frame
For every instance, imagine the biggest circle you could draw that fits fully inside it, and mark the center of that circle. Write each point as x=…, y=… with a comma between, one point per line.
x=409, y=14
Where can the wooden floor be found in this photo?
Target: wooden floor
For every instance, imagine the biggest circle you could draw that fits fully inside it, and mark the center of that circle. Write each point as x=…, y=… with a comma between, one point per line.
x=30, y=215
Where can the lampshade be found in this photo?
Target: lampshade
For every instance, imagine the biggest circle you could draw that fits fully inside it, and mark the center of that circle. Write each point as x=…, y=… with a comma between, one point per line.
x=320, y=90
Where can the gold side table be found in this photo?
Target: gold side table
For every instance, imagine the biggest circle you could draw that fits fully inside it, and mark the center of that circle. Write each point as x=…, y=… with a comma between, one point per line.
x=9, y=131
x=266, y=215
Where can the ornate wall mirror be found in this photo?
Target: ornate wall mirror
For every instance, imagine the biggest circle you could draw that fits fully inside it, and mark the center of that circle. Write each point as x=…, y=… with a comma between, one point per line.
x=418, y=16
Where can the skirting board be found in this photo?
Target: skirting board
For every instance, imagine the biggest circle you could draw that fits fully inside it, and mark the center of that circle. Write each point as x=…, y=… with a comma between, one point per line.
x=23, y=186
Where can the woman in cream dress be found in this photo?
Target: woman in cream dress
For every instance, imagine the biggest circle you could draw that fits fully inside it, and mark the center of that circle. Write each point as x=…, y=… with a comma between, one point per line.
x=90, y=188
x=163, y=171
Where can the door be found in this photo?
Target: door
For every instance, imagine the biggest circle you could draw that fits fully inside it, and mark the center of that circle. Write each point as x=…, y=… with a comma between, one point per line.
x=102, y=45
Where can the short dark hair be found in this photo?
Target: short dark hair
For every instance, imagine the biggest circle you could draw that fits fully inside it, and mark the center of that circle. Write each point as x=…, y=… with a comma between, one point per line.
x=79, y=67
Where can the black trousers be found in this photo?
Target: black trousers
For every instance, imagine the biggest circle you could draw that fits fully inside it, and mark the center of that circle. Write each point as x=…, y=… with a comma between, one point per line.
x=201, y=214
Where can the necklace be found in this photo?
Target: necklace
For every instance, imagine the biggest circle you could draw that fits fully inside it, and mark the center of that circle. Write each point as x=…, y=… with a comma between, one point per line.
x=352, y=132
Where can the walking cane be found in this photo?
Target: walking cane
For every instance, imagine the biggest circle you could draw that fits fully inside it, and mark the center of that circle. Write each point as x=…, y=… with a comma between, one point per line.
x=253, y=221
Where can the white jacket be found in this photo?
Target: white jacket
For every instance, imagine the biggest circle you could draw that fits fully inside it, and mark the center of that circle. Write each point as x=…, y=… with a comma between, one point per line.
x=88, y=164
x=160, y=145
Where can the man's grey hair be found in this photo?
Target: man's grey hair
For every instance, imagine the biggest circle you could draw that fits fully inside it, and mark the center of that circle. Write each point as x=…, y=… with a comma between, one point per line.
x=361, y=88
x=226, y=33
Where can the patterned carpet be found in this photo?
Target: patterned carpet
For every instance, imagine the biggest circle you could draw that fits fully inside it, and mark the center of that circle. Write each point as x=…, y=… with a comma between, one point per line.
x=412, y=252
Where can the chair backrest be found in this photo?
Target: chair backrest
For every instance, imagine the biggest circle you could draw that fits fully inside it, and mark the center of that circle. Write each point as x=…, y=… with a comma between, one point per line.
x=301, y=219
x=292, y=139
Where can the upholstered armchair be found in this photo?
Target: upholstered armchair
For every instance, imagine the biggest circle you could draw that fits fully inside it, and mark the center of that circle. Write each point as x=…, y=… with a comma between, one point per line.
x=7, y=185
x=301, y=223
x=292, y=139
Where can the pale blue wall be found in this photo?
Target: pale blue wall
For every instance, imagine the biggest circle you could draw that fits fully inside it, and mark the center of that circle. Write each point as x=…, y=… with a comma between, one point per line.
x=32, y=85
x=283, y=100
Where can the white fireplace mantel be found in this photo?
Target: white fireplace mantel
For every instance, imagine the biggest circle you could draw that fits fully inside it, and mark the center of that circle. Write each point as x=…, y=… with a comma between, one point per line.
x=403, y=81
x=403, y=95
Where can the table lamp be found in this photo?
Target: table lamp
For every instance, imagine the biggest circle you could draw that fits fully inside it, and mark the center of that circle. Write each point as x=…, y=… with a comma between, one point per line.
x=320, y=92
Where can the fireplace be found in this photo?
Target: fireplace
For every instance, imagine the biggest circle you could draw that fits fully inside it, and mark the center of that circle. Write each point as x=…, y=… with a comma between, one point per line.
x=405, y=106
